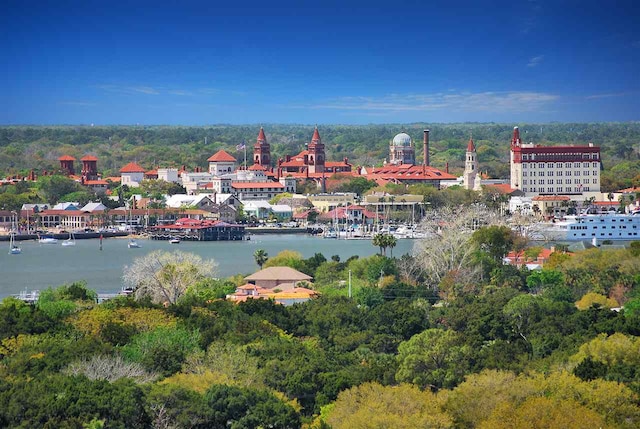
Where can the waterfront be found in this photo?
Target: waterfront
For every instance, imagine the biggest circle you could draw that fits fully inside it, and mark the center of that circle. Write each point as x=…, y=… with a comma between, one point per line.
x=44, y=265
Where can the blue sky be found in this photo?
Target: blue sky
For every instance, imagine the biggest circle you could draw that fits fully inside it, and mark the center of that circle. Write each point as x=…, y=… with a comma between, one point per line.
x=350, y=62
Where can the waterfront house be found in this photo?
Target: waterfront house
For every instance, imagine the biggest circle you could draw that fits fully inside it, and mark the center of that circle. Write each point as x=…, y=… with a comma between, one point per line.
x=282, y=284
x=198, y=230
x=283, y=278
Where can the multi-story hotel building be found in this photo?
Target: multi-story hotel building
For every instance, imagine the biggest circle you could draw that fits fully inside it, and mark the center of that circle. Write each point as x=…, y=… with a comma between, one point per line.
x=554, y=170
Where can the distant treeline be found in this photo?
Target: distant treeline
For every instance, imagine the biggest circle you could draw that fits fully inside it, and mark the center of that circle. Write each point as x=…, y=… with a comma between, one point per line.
x=23, y=148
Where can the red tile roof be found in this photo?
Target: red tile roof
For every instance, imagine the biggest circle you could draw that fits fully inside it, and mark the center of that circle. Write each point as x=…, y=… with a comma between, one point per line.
x=408, y=172
x=503, y=188
x=88, y=158
x=221, y=156
x=132, y=167
x=66, y=158
x=470, y=146
x=95, y=182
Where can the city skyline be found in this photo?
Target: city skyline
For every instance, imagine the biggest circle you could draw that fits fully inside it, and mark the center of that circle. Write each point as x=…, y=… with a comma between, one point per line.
x=336, y=62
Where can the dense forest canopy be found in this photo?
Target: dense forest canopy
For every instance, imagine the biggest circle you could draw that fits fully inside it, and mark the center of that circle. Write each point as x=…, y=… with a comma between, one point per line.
x=23, y=148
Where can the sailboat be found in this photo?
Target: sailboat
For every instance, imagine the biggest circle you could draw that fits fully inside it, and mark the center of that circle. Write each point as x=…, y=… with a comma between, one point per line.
x=133, y=244
x=71, y=241
x=14, y=249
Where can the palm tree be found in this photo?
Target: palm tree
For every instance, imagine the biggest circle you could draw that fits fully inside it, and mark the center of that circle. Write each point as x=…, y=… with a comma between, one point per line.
x=391, y=242
x=379, y=241
x=383, y=241
x=260, y=257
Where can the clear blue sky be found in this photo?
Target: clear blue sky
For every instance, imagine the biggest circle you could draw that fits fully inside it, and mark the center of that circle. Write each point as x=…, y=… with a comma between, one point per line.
x=353, y=62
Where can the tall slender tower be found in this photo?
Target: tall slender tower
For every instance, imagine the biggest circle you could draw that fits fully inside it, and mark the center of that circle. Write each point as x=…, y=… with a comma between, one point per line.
x=316, y=153
x=425, y=148
x=471, y=175
x=262, y=151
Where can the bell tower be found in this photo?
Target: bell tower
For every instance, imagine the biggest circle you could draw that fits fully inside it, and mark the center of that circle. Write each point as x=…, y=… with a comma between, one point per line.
x=262, y=151
x=471, y=178
x=316, y=153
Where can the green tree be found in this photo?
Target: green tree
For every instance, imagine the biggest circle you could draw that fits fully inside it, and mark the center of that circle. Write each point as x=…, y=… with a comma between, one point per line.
x=495, y=240
x=260, y=256
x=371, y=405
x=434, y=358
x=52, y=188
x=236, y=407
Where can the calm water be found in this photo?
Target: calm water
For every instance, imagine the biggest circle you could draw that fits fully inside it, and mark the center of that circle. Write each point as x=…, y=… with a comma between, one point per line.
x=43, y=265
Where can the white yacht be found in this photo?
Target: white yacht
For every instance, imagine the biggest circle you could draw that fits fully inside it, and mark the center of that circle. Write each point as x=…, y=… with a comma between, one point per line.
x=590, y=226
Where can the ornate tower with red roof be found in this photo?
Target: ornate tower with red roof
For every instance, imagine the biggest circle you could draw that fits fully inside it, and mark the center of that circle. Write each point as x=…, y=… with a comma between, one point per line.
x=262, y=151
x=89, y=167
x=316, y=153
x=66, y=164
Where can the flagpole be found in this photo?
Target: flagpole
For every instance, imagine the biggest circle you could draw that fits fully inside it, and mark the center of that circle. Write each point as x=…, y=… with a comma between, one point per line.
x=245, y=154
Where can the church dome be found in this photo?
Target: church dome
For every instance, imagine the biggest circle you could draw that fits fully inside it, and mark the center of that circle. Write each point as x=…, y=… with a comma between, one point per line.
x=402, y=139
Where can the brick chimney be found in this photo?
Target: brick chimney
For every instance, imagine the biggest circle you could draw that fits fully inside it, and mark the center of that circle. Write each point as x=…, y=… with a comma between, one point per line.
x=425, y=148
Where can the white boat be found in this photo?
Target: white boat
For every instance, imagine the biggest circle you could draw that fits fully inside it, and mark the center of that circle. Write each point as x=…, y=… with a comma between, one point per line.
x=330, y=233
x=71, y=241
x=14, y=249
x=174, y=241
x=587, y=227
x=133, y=244
x=48, y=240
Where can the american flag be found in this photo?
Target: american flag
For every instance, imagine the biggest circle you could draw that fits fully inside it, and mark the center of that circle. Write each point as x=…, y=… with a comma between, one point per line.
x=242, y=145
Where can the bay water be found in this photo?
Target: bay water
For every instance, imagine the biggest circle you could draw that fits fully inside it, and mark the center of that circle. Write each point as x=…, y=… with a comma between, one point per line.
x=40, y=266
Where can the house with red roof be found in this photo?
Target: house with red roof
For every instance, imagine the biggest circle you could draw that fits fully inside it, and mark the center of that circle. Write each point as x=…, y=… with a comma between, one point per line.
x=525, y=258
x=221, y=163
x=132, y=174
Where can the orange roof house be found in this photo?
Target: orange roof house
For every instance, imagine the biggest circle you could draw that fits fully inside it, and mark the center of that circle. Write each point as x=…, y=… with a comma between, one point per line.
x=132, y=167
x=221, y=156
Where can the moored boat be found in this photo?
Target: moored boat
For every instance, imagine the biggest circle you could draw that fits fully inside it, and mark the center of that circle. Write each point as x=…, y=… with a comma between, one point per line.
x=588, y=227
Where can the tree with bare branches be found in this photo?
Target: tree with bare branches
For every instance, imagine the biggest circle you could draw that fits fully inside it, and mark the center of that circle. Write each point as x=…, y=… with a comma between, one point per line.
x=165, y=276
x=446, y=255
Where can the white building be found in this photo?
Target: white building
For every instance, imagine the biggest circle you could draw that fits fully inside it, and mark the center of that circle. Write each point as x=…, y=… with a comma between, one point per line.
x=131, y=175
x=221, y=163
x=168, y=175
x=554, y=170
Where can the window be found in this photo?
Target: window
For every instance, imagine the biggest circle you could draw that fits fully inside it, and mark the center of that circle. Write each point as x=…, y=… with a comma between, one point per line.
x=586, y=172
x=568, y=173
x=524, y=182
x=549, y=173
x=577, y=173
x=567, y=165
x=576, y=164
x=559, y=173
x=585, y=164
x=524, y=174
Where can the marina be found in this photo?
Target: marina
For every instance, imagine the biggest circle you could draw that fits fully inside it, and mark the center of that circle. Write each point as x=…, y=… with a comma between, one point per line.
x=40, y=266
